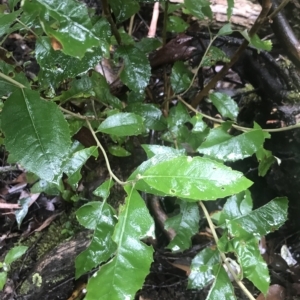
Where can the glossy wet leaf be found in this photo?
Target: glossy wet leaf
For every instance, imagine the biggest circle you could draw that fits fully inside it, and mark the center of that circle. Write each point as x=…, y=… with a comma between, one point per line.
x=178, y=115
x=152, y=115
x=253, y=265
x=14, y=253
x=132, y=259
x=123, y=124
x=261, y=221
x=226, y=106
x=136, y=72
x=152, y=150
x=57, y=66
x=7, y=87
x=75, y=161
x=100, y=217
x=195, y=178
x=222, y=288
x=221, y=145
x=124, y=9
x=236, y=206
x=185, y=224
x=266, y=160
x=181, y=77
x=42, y=133
x=202, y=268
x=104, y=189
x=198, y=124
x=71, y=27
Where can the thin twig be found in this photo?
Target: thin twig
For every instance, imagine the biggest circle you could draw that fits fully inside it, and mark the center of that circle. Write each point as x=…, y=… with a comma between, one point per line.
x=223, y=256
x=266, y=5
x=105, y=156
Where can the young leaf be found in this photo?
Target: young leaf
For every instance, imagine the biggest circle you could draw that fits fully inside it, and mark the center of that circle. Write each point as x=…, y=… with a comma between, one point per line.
x=123, y=124
x=176, y=24
x=132, y=259
x=72, y=26
x=222, y=287
x=221, y=145
x=14, y=253
x=117, y=150
x=101, y=217
x=202, y=268
x=185, y=224
x=36, y=133
x=103, y=190
x=226, y=106
x=137, y=71
x=195, y=178
x=178, y=115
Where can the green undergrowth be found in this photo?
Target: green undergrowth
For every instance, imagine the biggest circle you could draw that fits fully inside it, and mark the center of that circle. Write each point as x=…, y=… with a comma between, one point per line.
x=186, y=159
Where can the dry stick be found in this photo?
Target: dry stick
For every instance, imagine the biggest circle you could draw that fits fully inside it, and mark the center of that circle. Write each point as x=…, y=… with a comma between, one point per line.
x=153, y=24
x=223, y=256
x=266, y=5
x=107, y=14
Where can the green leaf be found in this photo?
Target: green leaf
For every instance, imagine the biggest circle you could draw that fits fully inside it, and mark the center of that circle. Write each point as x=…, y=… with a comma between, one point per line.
x=57, y=66
x=124, y=9
x=266, y=160
x=213, y=56
x=236, y=206
x=178, y=115
x=123, y=124
x=226, y=106
x=132, y=259
x=185, y=224
x=226, y=29
x=102, y=91
x=103, y=190
x=176, y=24
x=230, y=6
x=14, y=253
x=202, y=268
x=6, y=21
x=148, y=45
x=261, y=221
x=153, y=116
x=7, y=87
x=75, y=161
x=136, y=71
x=257, y=42
x=68, y=22
x=181, y=77
x=101, y=217
x=222, y=288
x=36, y=129
x=199, y=9
x=3, y=277
x=117, y=150
x=198, y=124
x=21, y=213
x=253, y=265
x=221, y=145
x=194, y=178
x=152, y=150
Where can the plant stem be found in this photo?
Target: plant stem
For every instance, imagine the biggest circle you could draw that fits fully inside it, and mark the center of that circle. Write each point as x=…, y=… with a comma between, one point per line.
x=105, y=156
x=14, y=82
x=223, y=256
